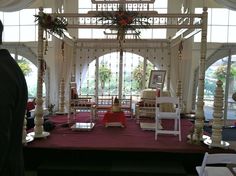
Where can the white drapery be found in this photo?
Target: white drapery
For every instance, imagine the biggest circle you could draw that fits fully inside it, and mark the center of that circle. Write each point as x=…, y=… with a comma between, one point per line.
x=83, y=58
x=231, y=4
x=60, y=69
x=14, y=5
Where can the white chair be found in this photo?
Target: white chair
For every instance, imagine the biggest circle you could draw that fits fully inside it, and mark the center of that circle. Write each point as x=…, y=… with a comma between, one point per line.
x=126, y=106
x=79, y=103
x=174, y=114
x=103, y=104
x=216, y=158
x=83, y=104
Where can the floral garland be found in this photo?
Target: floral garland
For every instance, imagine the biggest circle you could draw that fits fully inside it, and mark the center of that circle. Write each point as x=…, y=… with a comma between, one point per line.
x=123, y=21
x=53, y=25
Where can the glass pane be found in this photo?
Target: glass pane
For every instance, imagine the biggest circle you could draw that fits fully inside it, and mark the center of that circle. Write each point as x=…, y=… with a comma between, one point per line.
x=85, y=33
x=11, y=33
x=31, y=80
x=209, y=19
x=220, y=16
x=199, y=10
x=232, y=34
x=160, y=4
x=98, y=33
x=11, y=18
x=84, y=7
x=232, y=17
x=27, y=17
x=209, y=33
x=213, y=73
x=231, y=113
x=108, y=74
x=27, y=33
x=36, y=36
x=159, y=34
x=146, y=33
x=1, y=16
x=88, y=83
x=219, y=34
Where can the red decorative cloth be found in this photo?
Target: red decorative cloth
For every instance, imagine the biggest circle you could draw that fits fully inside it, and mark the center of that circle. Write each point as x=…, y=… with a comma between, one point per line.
x=114, y=117
x=30, y=105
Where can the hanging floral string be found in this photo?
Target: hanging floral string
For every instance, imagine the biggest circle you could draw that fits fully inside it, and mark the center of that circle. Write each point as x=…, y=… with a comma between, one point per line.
x=52, y=25
x=43, y=66
x=62, y=50
x=180, y=50
x=46, y=44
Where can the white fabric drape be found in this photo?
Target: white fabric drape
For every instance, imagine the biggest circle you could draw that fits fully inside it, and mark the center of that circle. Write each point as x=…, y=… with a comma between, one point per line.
x=83, y=58
x=61, y=68
x=14, y=5
x=231, y=4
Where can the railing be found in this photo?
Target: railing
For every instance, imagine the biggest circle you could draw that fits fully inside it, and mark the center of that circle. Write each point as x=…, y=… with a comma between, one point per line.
x=174, y=21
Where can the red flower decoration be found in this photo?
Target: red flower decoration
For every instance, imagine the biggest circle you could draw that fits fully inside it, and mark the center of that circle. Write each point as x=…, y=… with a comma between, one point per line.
x=123, y=21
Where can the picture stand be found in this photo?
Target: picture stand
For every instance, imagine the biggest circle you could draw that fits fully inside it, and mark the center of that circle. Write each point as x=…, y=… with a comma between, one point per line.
x=157, y=79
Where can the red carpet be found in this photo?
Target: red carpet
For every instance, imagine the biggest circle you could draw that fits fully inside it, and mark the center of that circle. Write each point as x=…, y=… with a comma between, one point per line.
x=113, y=151
x=130, y=138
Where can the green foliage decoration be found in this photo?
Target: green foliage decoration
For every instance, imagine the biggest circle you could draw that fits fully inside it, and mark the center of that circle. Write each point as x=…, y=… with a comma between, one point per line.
x=104, y=74
x=221, y=72
x=138, y=74
x=25, y=66
x=52, y=24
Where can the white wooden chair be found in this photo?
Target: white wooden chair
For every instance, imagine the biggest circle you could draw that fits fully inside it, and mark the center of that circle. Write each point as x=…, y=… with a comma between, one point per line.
x=103, y=104
x=83, y=104
x=171, y=115
x=216, y=158
x=126, y=106
x=79, y=103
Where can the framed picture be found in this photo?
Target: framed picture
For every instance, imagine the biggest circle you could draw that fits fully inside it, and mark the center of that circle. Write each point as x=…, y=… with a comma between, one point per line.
x=157, y=79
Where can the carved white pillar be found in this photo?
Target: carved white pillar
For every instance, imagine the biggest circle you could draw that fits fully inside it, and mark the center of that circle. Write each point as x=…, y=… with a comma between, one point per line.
x=62, y=97
x=120, y=75
x=69, y=120
x=39, y=120
x=199, y=122
x=179, y=83
x=179, y=94
x=169, y=65
x=216, y=136
x=73, y=79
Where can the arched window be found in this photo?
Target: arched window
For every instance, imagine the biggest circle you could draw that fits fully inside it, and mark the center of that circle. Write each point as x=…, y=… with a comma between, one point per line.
x=30, y=72
x=134, y=79
x=223, y=69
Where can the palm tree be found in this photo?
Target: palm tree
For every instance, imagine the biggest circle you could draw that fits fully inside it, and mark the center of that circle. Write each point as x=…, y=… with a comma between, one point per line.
x=104, y=75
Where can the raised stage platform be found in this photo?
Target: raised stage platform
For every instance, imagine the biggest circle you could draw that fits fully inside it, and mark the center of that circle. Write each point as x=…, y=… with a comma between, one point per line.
x=113, y=150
